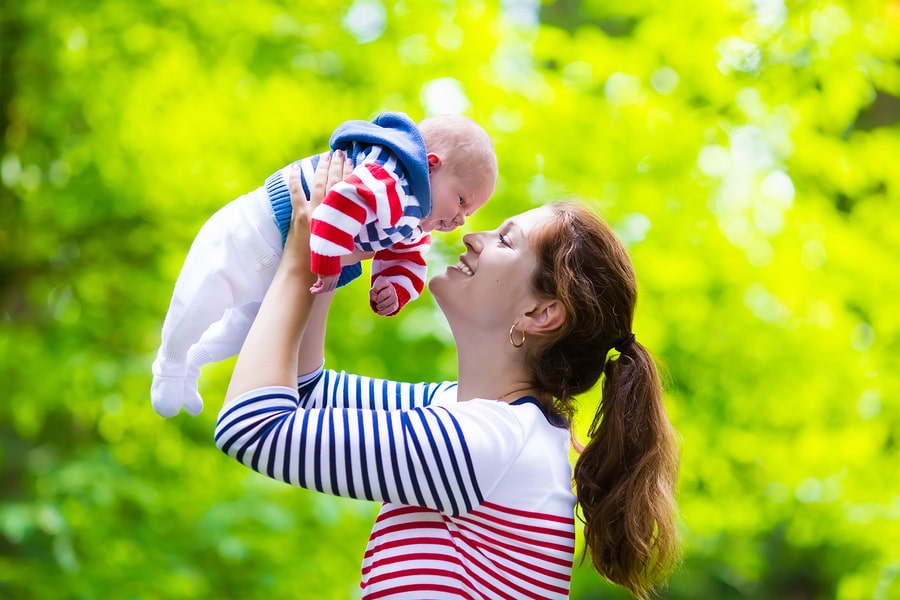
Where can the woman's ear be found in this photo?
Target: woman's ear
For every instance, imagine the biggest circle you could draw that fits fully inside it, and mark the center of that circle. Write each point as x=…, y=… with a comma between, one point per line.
x=545, y=316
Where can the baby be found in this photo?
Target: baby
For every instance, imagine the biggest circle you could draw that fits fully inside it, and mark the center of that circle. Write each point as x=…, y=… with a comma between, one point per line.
x=407, y=181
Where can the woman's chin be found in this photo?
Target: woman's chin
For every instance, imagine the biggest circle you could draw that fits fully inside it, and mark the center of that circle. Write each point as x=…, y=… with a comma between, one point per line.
x=439, y=288
x=436, y=282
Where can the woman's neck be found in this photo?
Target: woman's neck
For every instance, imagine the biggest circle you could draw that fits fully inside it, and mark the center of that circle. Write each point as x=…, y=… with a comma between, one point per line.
x=492, y=372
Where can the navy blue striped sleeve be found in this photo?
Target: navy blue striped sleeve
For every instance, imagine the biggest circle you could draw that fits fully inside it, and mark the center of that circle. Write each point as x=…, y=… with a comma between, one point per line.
x=418, y=456
x=324, y=388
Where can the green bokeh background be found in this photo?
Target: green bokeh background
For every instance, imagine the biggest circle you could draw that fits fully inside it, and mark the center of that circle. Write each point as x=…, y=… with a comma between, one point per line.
x=745, y=151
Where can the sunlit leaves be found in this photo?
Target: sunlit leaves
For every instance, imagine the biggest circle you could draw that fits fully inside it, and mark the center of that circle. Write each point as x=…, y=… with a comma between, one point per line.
x=744, y=151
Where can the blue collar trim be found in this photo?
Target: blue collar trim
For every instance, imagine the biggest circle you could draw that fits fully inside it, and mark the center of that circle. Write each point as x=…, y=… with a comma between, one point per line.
x=555, y=420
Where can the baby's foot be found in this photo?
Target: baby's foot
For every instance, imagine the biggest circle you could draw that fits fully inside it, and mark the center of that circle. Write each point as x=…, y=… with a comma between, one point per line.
x=169, y=394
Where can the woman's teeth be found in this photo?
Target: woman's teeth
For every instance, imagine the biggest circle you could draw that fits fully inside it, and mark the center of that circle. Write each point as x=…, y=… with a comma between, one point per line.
x=466, y=270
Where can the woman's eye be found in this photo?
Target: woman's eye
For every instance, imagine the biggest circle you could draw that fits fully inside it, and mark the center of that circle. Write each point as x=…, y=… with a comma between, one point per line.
x=461, y=201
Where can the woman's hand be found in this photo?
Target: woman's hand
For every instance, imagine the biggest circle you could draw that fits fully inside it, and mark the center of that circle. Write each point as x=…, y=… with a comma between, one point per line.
x=329, y=171
x=296, y=246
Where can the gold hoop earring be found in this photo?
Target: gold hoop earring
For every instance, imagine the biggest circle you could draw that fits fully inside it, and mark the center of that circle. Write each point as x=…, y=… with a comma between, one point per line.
x=521, y=342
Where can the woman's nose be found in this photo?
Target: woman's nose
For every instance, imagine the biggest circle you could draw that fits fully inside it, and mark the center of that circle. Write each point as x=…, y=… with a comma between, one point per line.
x=475, y=241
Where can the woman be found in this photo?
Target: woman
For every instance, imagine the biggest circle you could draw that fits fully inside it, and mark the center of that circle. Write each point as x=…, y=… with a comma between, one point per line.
x=474, y=475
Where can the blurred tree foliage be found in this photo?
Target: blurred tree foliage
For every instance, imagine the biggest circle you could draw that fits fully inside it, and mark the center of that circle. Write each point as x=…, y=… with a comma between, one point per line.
x=745, y=151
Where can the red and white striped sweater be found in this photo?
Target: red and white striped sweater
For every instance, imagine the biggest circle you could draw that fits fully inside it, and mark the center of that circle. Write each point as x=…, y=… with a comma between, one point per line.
x=371, y=210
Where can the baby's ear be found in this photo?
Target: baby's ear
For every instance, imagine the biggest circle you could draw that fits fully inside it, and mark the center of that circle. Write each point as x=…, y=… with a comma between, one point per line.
x=434, y=160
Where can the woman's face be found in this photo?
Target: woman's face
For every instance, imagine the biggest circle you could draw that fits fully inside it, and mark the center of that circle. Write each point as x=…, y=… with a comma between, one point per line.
x=491, y=283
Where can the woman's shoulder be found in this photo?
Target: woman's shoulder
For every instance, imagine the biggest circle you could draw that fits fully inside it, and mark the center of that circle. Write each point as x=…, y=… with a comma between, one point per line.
x=527, y=410
x=522, y=420
x=444, y=393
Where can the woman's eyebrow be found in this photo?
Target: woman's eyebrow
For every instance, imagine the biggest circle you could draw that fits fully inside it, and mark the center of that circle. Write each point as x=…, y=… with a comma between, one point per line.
x=512, y=226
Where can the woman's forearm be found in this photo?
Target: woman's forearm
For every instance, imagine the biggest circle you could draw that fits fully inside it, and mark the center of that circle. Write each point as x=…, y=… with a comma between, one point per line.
x=312, y=346
x=269, y=354
x=311, y=353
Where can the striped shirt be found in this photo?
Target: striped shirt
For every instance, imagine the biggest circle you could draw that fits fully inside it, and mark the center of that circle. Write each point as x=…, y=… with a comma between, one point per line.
x=477, y=495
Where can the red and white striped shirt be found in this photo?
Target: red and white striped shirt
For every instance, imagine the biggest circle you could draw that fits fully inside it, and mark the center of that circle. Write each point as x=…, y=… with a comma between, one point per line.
x=477, y=495
x=372, y=211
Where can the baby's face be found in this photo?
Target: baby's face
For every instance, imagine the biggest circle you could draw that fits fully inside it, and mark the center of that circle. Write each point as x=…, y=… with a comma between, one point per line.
x=453, y=198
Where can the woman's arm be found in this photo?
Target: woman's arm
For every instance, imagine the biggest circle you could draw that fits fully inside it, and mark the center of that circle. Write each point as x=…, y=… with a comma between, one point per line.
x=311, y=354
x=312, y=345
x=447, y=458
x=270, y=354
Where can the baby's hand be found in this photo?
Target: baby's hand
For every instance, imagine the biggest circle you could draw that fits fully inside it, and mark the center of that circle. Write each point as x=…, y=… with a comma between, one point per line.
x=383, y=297
x=324, y=284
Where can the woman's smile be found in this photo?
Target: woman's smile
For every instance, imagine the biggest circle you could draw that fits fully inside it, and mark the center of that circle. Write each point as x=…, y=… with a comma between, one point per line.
x=464, y=268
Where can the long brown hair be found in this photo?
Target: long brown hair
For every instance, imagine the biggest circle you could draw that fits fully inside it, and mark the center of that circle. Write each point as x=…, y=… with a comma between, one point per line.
x=626, y=475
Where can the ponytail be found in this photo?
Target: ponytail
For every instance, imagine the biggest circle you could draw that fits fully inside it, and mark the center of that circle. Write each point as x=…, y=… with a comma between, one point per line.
x=625, y=477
